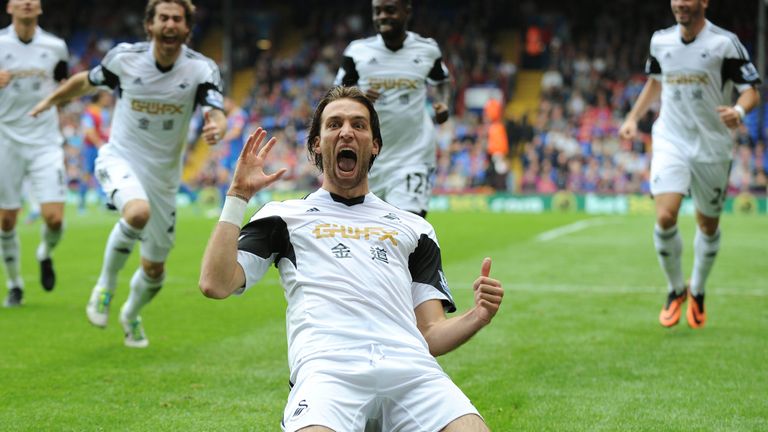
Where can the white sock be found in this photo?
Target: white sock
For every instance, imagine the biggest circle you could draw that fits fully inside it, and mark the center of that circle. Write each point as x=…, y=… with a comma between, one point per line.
x=669, y=248
x=705, y=250
x=9, y=244
x=143, y=290
x=48, y=241
x=118, y=249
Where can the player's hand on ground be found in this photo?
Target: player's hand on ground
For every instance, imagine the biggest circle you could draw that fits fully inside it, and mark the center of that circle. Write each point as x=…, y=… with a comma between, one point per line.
x=372, y=95
x=488, y=293
x=249, y=176
x=211, y=133
x=5, y=78
x=628, y=130
x=729, y=116
x=441, y=112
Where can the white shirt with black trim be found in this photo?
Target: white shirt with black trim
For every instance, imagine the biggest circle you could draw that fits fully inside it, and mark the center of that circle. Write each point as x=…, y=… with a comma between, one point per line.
x=696, y=78
x=36, y=67
x=353, y=271
x=401, y=77
x=154, y=105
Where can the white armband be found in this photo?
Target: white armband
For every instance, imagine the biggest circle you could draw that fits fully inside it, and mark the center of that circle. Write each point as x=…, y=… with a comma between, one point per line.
x=233, y=210
x=740, y=111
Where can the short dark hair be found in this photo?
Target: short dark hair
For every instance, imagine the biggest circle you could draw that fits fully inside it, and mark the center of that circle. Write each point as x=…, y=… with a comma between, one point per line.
x=333, y=95
x=189, y=11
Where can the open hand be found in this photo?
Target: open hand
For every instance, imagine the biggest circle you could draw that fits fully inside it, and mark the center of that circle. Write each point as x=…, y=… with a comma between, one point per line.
x=249, y=176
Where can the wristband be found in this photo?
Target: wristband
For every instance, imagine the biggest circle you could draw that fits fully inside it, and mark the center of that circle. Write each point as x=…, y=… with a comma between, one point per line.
x=740, y=111
x=233, y=210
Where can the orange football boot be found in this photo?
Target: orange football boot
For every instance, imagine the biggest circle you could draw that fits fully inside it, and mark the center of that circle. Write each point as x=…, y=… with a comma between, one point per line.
x=670, y=313
x=695, y=313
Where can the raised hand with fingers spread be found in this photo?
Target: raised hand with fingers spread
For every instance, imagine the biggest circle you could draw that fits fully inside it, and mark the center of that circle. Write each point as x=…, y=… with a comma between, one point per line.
x=249, y=176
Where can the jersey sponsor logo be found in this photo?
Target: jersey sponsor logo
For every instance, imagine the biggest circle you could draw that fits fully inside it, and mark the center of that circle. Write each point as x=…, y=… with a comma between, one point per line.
x=684, y=79
x=30, y=73
x=394, y=83
x=156, y=108
x=379, y=254
x=341, y=251
x=355, y=233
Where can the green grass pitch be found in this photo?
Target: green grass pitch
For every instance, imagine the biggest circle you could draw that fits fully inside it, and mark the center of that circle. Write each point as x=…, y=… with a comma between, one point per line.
x=576, y=345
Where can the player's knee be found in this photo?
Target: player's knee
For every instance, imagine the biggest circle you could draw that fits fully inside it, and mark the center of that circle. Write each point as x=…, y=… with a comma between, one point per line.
x=467, y=423
x=53, y=221
x=666, y=218
x=708, y=227
x=8, y=220
x=136, y=213
x=154, y=271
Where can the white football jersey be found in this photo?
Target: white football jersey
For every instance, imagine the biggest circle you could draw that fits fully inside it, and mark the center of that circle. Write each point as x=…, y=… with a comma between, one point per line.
x=36, y=67
x=696, y=78
x=154, y=106
x=401, y=77
x=352, y=270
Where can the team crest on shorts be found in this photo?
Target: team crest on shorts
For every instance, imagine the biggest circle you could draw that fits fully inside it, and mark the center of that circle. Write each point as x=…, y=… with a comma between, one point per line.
x=301, y=408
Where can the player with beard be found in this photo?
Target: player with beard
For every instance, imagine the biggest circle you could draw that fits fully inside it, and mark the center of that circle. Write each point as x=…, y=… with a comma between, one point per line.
x=159, y=84
x=364, y=283
x=693, y=67
x=395, y=68
x=32, y=62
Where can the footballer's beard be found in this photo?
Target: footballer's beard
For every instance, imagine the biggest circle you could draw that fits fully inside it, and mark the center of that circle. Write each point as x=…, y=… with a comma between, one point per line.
x=354, y=181
x=689, y=15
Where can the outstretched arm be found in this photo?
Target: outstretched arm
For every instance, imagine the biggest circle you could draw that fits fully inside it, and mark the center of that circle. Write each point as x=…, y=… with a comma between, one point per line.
x=650, y=94
x=446, y=334
x=76, y=85
x=221, y=275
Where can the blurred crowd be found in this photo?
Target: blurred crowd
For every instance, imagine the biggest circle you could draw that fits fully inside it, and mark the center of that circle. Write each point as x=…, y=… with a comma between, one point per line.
x=592, y=71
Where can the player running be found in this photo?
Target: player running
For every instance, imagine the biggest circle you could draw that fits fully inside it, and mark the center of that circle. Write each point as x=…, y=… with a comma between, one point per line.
x=32, y=62
x=159, y=84
x=394, y=68
x=693, y=67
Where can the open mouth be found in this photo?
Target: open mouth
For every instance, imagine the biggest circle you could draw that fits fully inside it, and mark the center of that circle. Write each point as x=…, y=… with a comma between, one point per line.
x=384, y=25
x=346, y=160
x=169, y=39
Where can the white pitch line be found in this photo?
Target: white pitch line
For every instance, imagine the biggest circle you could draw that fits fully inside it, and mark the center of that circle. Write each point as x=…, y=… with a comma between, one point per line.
x=569, y=229
x=726, y=291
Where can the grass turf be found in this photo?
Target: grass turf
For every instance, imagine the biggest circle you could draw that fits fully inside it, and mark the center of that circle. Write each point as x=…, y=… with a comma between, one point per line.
x=576, y=345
